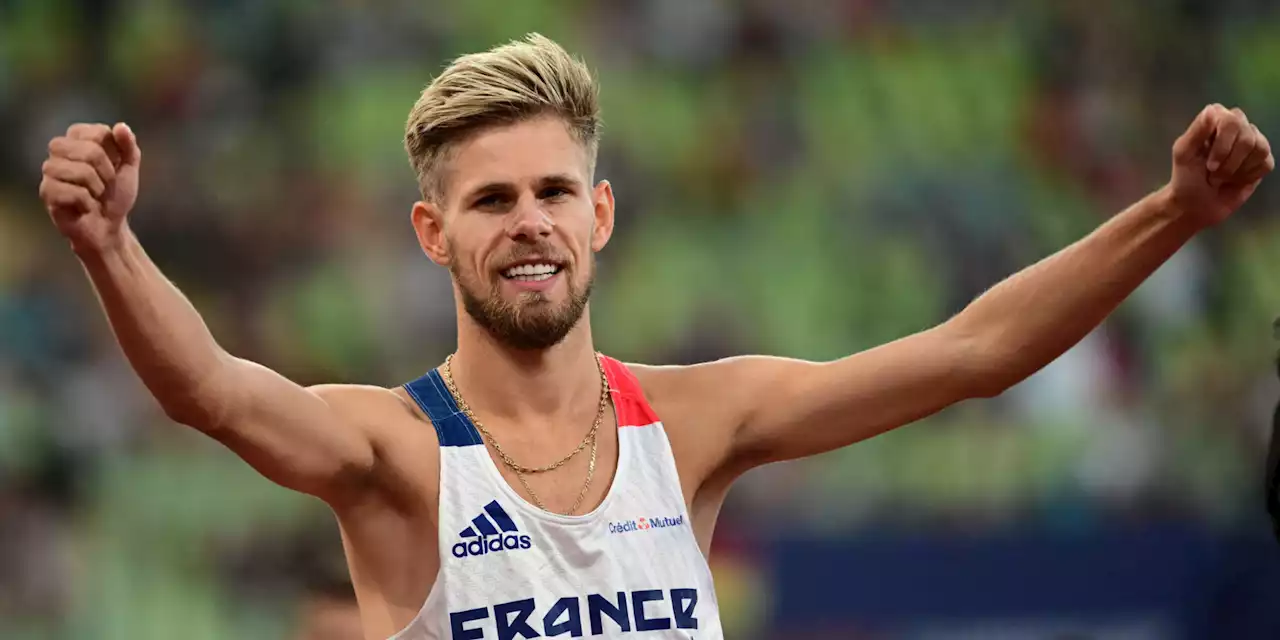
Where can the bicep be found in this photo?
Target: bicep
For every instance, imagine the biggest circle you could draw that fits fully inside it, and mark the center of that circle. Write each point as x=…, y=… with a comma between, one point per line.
x=299, y=437
x=795, y=408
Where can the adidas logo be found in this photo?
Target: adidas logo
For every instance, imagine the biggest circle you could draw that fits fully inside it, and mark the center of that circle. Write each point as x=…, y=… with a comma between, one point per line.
x=492, y=531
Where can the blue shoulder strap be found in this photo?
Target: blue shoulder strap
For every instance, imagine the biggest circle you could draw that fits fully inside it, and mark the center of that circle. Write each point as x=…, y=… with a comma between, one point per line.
x=453, y=427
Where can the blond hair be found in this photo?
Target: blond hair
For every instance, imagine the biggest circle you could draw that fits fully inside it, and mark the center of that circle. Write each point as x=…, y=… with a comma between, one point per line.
x=504, y=85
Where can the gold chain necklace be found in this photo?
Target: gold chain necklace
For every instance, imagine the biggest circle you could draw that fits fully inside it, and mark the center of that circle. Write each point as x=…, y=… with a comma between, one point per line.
x=520, y=470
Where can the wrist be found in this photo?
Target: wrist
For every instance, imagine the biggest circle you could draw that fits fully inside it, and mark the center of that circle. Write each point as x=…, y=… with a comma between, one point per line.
x=1176, y=210
x=99, y=247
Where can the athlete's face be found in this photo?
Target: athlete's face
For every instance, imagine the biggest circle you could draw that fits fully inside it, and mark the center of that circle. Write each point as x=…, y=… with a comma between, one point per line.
x=518, y=226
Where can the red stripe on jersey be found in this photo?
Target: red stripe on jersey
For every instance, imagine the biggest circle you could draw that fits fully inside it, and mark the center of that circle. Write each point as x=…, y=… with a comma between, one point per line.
x=628, y=398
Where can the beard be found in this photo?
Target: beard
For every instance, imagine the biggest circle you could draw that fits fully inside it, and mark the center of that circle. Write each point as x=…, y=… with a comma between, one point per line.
x=531, y=323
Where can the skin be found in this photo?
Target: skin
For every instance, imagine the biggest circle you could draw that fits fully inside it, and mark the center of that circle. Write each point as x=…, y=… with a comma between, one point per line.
x=327, y=618
x=370, y=453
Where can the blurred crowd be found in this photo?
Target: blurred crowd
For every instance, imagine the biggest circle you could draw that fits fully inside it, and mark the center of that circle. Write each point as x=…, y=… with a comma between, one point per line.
x=804, y=178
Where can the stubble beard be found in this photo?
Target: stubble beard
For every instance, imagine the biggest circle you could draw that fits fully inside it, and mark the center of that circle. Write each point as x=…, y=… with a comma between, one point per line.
x=531, y=323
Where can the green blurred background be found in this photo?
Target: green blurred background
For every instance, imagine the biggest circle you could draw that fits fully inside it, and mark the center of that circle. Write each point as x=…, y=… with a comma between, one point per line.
x=796, y=177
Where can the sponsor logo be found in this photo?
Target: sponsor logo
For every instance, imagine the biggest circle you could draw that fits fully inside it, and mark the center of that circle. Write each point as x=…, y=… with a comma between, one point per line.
x=645, y=524
x=493, y=531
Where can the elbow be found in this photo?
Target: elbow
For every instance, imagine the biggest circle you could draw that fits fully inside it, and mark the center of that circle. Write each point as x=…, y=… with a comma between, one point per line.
x=184, y=414
x=202, y=405
x=986, y=369
x=996, y=371
x=188, y=410
x=987, y=377
x=990, y=385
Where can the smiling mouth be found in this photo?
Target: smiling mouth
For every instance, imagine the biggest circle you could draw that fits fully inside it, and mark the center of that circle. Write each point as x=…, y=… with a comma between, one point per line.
x=531, y=272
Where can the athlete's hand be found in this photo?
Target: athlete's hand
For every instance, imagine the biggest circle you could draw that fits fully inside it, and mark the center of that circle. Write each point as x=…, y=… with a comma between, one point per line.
x=1218, y=163
x=90, y=183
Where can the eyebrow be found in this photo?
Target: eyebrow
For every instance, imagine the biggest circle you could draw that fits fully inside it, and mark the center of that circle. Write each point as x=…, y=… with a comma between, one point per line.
x=553, y=180
x=558, y=180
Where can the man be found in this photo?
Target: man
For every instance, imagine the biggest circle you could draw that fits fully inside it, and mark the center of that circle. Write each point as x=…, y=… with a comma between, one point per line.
x=494, y=497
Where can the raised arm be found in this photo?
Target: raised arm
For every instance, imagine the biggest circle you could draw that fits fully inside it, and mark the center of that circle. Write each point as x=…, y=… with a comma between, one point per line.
x=778, y=409
x=295, y=436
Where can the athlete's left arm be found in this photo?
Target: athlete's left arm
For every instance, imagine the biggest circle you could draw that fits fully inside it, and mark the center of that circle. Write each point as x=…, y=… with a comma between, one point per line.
x=785, y=409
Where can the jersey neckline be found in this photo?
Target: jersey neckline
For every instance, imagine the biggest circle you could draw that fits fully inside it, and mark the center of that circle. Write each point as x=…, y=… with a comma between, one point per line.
x=617, y=384
x=630, y=409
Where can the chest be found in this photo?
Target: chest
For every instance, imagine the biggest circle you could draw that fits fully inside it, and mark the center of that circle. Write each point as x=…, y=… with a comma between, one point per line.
x=639, y=513
x=568, y=473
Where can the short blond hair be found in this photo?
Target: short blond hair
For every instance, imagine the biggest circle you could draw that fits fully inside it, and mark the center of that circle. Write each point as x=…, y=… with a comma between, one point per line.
x=516, y=81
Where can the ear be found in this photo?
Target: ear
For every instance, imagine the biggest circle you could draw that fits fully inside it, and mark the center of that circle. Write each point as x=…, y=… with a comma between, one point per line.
x=603, y=228
x=428, y=223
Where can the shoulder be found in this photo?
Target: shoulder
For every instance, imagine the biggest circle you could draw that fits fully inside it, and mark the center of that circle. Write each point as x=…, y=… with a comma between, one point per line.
x=674, y=386
x=389, y=415
x=718, y=395
x=709, y=386
x=702, y=406
x=705, y=408
x=404, y=441
x=367, y=405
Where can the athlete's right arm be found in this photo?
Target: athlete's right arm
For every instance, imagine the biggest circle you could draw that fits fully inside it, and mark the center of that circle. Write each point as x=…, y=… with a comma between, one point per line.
x=290, y=434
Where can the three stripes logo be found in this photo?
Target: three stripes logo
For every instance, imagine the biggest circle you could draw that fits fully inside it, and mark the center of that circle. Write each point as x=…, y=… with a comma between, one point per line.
x=492, y=531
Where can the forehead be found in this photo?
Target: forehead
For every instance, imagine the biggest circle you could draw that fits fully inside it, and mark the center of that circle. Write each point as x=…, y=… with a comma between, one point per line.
x=518, y=153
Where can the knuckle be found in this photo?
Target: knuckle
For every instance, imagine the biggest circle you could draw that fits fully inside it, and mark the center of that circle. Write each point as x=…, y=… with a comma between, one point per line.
x=94, y=155
x=70, y=149
x=85, y=129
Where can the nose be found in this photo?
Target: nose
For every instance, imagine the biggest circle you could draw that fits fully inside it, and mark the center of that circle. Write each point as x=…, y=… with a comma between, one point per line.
x=529, y=221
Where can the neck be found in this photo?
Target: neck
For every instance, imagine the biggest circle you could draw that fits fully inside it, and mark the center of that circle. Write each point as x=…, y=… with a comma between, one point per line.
x=524, y=385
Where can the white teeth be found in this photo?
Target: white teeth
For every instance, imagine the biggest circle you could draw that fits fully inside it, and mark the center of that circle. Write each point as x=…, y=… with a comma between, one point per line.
x=537, y=271
x=536, y=278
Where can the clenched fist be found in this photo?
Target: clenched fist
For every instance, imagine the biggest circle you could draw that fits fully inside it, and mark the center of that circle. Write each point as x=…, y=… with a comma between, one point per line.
x=90, y=183
x=1218, y=163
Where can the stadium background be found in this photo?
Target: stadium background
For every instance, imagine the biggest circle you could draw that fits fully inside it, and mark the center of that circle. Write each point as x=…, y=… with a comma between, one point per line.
x=801, y=177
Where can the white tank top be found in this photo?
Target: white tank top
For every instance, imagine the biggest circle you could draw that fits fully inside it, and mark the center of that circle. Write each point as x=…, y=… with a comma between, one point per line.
x=629, y=569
